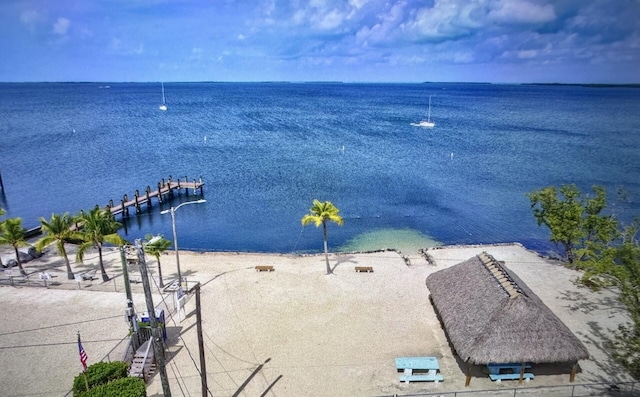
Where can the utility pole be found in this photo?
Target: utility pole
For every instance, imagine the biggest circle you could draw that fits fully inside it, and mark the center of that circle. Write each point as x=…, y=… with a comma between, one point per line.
x=203, y=365
x=130, y=311
x=125, y=274
x=158, y=347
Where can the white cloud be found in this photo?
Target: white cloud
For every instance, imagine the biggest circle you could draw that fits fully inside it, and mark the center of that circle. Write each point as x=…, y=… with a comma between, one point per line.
x=521, y=11
x=241, y=37
x=445, y=20
x=196, y=54
x=32, y=19
x=386, y=29
x=330, y=20
x=358, y=4
x=61, y=26
x=116, y=45
x=527, y=54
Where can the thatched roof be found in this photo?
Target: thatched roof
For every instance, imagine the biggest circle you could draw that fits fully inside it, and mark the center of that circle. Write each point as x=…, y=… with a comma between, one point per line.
x=491, y=316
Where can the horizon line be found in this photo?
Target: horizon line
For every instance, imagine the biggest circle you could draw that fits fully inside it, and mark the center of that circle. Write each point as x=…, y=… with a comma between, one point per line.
x=328, y=82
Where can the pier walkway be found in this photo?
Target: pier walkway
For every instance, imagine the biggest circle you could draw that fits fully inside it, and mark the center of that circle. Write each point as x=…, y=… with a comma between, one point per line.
x=165, y=188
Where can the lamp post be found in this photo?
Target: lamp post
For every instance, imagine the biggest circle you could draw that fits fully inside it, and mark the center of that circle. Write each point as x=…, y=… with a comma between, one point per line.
x=173, y=210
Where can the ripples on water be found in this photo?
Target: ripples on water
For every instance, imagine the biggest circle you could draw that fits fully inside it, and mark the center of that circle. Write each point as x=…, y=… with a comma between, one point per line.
x=266, y=151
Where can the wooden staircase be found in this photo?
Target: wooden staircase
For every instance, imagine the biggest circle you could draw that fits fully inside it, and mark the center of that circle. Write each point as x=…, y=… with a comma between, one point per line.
x=143, y=364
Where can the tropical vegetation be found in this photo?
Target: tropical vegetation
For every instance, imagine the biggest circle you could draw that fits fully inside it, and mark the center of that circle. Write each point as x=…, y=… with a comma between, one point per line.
x=319, y=214
x=605, y=250
x=156, y=246
x=59, y=231
x=99, y=227
x=12, y=233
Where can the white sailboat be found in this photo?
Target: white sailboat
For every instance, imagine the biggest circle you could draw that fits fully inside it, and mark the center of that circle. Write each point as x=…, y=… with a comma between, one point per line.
x=163, y=105
x=426, y=123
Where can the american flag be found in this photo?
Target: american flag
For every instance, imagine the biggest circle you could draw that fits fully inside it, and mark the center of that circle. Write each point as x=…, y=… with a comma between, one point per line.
x=83, y=355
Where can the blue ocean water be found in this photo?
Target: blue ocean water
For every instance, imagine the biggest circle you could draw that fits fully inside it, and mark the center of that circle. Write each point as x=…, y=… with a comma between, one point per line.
x=266, y=150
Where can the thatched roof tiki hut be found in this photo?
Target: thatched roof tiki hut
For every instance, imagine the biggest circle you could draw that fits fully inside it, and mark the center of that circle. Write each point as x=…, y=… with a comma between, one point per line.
x=491, y=317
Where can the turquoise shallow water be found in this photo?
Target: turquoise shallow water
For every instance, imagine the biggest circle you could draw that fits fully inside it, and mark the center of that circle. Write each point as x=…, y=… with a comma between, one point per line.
x=265, y=151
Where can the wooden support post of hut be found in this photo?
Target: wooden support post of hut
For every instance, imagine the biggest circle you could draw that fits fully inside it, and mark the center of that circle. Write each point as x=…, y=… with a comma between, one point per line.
x=468, y=380
x=574, y=370
x=1, y=184
x=201, y=187
x=159, y=192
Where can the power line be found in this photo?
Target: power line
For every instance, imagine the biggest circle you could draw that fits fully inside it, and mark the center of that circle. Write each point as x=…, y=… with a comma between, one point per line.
x=58, y=344
x=59, y=325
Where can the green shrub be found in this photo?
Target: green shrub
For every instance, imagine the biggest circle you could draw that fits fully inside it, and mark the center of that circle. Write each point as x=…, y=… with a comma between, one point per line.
x=99, y=374
x=124, y=387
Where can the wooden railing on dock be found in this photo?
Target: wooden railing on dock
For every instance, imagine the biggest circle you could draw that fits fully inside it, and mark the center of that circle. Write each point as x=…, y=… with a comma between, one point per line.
x=165, y=188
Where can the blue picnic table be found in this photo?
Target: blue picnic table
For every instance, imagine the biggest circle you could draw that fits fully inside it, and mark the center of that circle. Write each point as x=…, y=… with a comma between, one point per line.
x=419, y=369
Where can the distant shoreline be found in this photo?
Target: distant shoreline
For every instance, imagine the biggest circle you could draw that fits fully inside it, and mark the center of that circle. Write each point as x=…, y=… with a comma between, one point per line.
x=105, y=84
x=590, y=85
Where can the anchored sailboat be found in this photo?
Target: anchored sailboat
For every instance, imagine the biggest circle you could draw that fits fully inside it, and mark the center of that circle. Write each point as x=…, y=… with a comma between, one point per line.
x=426, y=123
x=163, y=105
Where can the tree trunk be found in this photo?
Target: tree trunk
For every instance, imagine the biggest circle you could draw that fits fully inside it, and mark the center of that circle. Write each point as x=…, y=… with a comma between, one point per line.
x=571, y=256
x=104, y=272
x=159, y=272
x=70, y=275
x=326, y=249
x=24, y=273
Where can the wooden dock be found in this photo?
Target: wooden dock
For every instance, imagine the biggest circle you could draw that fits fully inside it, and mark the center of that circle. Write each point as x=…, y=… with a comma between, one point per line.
x=165, y=189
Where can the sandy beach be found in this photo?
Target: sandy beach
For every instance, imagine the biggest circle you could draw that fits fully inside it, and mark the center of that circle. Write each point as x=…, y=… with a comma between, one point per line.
x=292, y=332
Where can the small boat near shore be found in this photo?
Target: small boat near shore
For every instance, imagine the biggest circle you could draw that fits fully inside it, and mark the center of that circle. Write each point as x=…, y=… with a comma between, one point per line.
x=426, y=123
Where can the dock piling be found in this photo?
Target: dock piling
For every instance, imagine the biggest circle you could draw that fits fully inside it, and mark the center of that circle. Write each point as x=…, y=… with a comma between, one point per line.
x=165, y=187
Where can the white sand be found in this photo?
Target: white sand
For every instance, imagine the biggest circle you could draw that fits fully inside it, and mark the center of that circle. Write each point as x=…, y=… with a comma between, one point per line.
x=316, y=335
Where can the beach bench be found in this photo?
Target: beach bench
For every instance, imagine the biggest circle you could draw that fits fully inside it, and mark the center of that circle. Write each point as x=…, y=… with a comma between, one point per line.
x=88, y=275
x=364, y=269
x=418, y=369
x=500, y=372
x=264, y=268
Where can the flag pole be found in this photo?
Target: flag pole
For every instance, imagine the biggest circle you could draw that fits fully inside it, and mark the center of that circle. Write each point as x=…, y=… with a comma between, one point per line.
x=83, y=361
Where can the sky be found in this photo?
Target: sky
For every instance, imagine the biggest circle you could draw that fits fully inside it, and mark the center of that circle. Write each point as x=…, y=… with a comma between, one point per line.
x=496, y=41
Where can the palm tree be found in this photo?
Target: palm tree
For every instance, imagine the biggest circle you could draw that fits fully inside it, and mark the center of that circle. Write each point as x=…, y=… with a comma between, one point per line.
x=156, y=248
x=98, y=227
x=59, y=230
x=13, y=234
x=319, y=214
